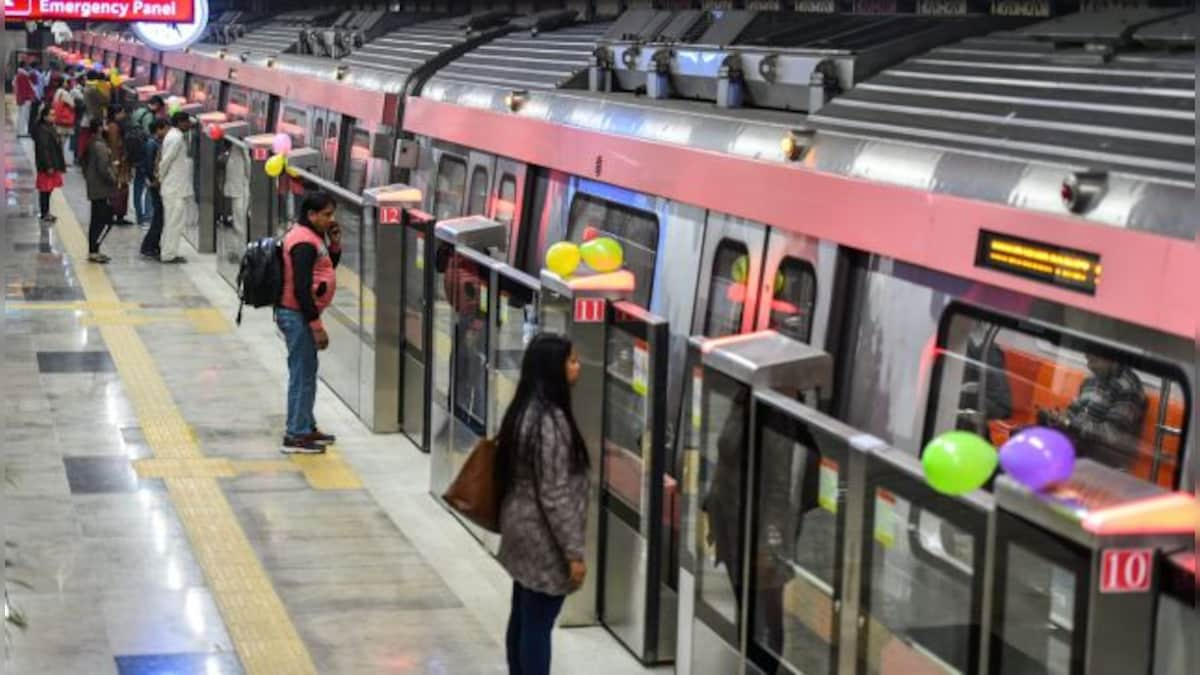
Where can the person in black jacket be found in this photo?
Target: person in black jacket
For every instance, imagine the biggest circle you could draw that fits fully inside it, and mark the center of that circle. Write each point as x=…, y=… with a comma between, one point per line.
x=48, y=156
x=149, y=167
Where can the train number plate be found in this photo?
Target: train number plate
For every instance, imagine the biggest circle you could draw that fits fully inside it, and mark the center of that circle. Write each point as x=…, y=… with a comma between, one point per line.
x=1126, y=570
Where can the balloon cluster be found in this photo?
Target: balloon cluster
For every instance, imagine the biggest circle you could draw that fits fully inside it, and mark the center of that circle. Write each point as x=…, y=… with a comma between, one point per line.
x=601, y=254
x=958, y=462
x=281, y=145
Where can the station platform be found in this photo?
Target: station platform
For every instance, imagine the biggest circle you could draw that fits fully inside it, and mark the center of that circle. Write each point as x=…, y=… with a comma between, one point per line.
x=154, y=526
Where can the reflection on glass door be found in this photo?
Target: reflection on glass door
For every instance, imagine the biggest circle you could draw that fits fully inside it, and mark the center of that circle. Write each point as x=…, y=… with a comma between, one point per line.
x=797, y=546
x=1039, y=624
x=516, y=325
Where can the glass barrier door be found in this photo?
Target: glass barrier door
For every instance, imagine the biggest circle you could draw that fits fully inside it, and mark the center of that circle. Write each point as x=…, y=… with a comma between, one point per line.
x=798, y=502
x=638, y=607
x=441, y=350
x=416, y=291
x=516, y=322
x=920, y=614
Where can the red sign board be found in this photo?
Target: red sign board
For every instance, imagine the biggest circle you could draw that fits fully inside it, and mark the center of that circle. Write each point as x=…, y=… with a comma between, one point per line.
x=262, y=154
x=123, y=11
x=389, y=215
x=1126, y=570
x=589, y=310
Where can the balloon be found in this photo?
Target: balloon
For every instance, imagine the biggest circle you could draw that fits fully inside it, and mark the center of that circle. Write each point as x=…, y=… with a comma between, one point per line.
x=172, y=109
x=603, y=254
x=216, y=132
x=958, y=462
x=563, y=258
x=741, y=269
x=276, y=165
x=1038, y=457
x=780, y=281
x=591, y=232
x=292, y=171
x=282, y=144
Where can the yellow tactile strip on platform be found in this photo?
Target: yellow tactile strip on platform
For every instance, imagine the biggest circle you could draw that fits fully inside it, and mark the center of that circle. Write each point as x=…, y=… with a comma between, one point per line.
x=258, y=623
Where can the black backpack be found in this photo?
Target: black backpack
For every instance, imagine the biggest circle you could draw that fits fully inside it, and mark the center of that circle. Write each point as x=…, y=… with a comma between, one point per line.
x=260, y=277
x=136, y=140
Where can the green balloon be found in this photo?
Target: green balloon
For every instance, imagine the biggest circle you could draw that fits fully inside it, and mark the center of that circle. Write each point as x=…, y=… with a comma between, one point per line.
x=603, y=254
x=958, y=462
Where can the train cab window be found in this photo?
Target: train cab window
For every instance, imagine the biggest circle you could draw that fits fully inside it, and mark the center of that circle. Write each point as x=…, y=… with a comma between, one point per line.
x=636, y=230
x=477, y=200
x=793, y=299
x=506, y=201
x=728, y=292
x=996, y=375
x=451, y=183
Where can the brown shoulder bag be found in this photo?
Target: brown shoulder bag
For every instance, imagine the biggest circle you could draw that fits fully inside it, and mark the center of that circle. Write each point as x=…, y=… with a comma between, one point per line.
x=473, y=492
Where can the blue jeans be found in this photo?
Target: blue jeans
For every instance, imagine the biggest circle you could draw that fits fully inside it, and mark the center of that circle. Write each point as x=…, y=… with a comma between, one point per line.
x=527, y=641
x=302, y=371
x=143, y=206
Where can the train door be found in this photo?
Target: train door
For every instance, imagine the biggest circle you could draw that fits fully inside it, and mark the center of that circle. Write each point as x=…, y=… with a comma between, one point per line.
x=716, y=491
x=788, y=291
x=730, y=266
x=507, y=202
x=449, y=184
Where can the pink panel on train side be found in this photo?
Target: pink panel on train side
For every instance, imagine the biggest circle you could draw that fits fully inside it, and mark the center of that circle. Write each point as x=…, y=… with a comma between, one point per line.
x=1147, y=278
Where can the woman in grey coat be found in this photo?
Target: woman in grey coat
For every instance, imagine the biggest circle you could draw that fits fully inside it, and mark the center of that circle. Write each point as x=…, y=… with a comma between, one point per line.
x=542, y=470
x=101, y=176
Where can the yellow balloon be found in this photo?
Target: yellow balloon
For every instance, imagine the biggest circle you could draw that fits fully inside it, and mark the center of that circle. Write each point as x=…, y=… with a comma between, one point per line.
x=563, y=258
x=276, y=165
x=292, y=171
x=741, y=269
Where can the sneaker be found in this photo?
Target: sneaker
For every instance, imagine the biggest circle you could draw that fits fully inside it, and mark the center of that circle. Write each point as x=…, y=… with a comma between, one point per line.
x=301, y=445
x=98, y=258
x=322, y=437
x=175, y=261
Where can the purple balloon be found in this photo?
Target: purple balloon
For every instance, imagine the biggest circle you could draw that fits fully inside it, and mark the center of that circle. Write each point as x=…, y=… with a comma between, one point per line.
x=1038, y=457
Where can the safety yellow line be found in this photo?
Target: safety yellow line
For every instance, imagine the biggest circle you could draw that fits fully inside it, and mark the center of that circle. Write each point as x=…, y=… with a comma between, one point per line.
x=258, y=623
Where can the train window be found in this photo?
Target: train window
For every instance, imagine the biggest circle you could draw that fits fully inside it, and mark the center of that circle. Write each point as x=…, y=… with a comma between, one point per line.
x=727, y=293
x=330, y=149
x=996, y=375
x=636, y=230
x=294, y=122
x=795, y=293
x=506, y=201
x=451, y=183
x=360, y=154
x=238, y=106
x=477, y=200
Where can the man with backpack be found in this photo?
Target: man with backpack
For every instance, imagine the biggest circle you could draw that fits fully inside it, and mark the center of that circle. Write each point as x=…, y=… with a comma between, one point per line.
x=311, y=251
x=151, y=243
x=137, y=139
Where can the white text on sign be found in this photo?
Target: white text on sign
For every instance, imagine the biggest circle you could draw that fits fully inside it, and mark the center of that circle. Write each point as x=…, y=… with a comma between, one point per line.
x=1126, y=570
x=589, y=310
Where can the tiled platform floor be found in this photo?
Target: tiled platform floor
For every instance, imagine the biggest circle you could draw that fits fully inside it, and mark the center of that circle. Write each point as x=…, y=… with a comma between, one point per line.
x=375, y=578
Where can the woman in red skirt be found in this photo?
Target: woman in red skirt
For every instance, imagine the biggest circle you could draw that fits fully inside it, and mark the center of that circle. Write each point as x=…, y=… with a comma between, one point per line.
x=48, y=155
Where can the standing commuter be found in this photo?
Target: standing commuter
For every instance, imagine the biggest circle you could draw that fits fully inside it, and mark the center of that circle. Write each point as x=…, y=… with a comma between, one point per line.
x=25, y=94
x=542, y=476
x=141, y=129
x=101, y=176
x=96, y=106
x=150, y=153
x=80, y=116
x=114, y=132
x=312, y=249
x=48, y=156
x=175, y=185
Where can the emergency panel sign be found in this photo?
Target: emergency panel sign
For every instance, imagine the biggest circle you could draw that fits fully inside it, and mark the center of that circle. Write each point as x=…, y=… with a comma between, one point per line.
x=127, y=11
x=1126, y=570
x=589, y=310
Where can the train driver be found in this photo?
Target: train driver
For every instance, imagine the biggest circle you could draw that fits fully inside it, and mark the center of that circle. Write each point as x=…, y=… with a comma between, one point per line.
x=1108, y=410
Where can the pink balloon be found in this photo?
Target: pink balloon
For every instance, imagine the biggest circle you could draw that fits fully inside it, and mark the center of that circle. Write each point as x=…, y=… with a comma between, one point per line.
x=282, y=144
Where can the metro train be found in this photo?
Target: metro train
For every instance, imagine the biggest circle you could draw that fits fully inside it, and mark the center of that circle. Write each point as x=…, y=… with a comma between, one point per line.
x=969, y=221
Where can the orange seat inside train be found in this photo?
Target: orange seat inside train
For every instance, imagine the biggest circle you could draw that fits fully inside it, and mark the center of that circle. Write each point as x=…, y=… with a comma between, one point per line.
x=1038, y=383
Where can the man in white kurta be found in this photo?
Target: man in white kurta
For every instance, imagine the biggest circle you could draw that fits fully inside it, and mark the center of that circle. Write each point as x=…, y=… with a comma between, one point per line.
x=178, y=195
x=237, y=186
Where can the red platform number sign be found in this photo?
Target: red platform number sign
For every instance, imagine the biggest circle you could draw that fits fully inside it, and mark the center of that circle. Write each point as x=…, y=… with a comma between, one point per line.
x=389, y=215
x=1126, y=570
x=589, y=310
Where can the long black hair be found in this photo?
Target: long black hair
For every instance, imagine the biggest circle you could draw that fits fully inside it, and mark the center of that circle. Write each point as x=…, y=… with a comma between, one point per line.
x=542, y=389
